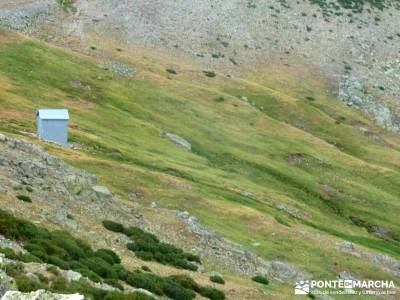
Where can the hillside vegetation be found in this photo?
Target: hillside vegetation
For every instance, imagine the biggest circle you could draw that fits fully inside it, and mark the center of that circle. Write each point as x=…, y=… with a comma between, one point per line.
x=288, y=173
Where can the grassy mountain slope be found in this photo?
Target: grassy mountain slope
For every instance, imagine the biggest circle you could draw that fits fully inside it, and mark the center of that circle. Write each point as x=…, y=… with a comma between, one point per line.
x=258, y=149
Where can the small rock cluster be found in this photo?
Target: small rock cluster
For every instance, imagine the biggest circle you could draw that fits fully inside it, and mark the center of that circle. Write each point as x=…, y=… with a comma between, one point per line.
x=382, y=261
x=120, y=69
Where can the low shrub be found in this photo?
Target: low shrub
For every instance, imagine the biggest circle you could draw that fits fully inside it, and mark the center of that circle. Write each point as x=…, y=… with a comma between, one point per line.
x=171, y=71
x=90, y=274
x=219, y=99
x=176, y=291
x=24, y=198
x=146, y=268
x=260, y=279
x=59, y=284
x=121, y=272
x=114, y=283
x=9, y=253
x=113, y=226
x=108, y=255
x=53, y=270
x=23, y=257
x=209, y=73
x=217, y=279
x=212, y=293
x=14, y=269
x=310, y=98
x=149, y=248
x=26, y=284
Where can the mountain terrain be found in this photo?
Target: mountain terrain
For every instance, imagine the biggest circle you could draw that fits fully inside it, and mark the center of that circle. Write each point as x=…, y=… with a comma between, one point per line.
x=260, y=136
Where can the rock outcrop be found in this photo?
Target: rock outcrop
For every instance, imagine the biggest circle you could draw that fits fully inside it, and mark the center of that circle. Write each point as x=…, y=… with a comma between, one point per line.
x=40, y=295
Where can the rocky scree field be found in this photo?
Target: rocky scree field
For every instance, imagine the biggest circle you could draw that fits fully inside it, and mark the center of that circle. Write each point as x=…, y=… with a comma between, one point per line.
x=350, y=45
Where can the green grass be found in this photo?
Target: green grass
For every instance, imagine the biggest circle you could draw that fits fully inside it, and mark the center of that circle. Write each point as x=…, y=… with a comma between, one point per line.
x=237, y=146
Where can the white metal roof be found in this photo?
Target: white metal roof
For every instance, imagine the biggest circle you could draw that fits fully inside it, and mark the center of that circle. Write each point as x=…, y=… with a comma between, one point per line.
x=53, y=114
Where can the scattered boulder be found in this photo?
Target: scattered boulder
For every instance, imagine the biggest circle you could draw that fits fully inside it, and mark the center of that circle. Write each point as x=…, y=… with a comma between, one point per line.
x=76, y=84
x=294, y=159
x=102, y=192
x=247, y=194
x=327, y=192
x=292, y=211
x=120, y=69
x=284, y=271
x=180, y=141
x=72, y=275
x=379, y=230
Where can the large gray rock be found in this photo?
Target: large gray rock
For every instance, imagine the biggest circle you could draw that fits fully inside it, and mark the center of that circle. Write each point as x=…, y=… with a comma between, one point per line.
x=102, y=192
x=178, y=140
x=40, y=295
x=285, y=271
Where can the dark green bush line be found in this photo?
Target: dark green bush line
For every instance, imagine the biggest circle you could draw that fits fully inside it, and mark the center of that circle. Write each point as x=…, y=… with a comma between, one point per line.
x=63, y=250
x=217, y=279
x=148, y=247
x=24, y=257
x=24, y=198
x=179, y=287
x=209, y=73
x=171, y=71
x=261, y=279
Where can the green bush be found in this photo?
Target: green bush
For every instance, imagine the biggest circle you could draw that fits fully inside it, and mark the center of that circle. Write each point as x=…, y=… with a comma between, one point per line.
x=260, y=279
x=209, y=73
x=120, y=296
x=26, y=257
x=90, y=274
x=147, y=281
x=53, y=270
x=177, y=292
x=185, y=281
x=9, y=253
x=310, y=98
x=171, y=71
x=100, y=267
x=219, y=99
x=24, y=198
x=212, y=293
x=14, y=269
x=146, y=268
x=26, y=284
x=121, y=272
x=114, y=282
x=59, y=284
x=113, y=226
x=108, y=255
x=217, y=279
x=149, y=248
x=137, y=233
